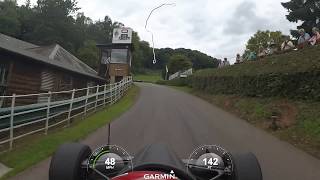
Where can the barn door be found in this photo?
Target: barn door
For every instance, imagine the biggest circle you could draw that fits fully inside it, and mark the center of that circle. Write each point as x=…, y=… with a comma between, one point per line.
x=47, y=84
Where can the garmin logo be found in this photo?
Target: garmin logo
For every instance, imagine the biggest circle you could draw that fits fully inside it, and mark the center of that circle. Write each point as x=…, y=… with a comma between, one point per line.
x=160, y=176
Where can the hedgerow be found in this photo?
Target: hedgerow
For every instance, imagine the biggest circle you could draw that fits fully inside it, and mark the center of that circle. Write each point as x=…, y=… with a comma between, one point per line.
x=295, y=75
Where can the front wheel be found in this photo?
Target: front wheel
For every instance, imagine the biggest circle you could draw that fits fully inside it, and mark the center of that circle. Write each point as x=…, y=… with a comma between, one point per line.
x=247, y=167
x=66, y=162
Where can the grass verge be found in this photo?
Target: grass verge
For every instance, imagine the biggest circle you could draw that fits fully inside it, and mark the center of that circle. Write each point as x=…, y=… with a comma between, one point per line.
x=297, y=122
x=150, y=77
x=40, y=147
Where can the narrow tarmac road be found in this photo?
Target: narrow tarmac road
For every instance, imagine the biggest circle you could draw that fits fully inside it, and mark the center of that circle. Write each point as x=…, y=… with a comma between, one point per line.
x=184, y=122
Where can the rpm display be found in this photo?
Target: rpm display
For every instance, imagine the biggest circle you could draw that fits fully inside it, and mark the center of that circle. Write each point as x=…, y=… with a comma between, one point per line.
x=211, y=160
x=109, y=161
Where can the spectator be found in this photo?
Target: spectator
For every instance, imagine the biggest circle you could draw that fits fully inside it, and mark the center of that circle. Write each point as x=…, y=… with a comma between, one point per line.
x=316, y=36
x=226, y=62
x=238, y=59
x=303, y=39
x=220, y=63
x=272, y=48
x=287, y=45
x=252, y=56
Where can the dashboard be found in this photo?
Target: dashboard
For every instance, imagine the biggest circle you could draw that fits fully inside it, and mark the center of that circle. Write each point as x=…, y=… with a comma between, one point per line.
x=205, y=162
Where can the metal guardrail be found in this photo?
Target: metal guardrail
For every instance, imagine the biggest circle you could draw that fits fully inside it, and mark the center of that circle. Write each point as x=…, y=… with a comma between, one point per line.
x=55, y=111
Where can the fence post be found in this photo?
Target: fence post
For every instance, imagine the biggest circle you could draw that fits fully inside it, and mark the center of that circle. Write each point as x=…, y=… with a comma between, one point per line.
x=96, y=104
x=85, y=105
x=70, y=107
x=48, y=113
x=120, y=89
x=123, y=86
x=13, y=101
x=128, y=81
x=111, y=93
x=117, y=91
x=127, y=84
x=104, y=94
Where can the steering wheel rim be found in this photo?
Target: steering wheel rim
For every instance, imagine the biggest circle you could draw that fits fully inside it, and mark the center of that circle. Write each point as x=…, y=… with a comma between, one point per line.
x=181, y=174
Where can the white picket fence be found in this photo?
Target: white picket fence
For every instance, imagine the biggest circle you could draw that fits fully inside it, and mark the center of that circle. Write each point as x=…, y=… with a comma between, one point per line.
x=180, y=74
x=20, y=121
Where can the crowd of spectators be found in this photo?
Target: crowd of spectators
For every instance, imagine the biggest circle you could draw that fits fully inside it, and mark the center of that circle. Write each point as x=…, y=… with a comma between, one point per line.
x=287, y=45
x=304, y=40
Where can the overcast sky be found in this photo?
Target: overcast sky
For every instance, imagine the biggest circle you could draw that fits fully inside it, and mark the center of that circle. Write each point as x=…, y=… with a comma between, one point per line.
x=219, y=28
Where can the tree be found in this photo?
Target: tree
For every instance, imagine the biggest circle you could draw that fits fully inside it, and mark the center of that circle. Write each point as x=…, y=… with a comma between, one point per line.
x=89, y=54
x=262, y=39
x=58, y=21
x=307, y=11
x=9, y=19
x=54, y=23
x=179, y=62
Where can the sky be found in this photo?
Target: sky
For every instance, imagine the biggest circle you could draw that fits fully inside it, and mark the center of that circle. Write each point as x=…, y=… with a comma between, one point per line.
x=219, y=28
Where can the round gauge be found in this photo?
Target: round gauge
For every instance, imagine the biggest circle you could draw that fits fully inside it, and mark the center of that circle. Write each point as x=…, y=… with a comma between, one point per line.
x=210, y=161
x=109, y=161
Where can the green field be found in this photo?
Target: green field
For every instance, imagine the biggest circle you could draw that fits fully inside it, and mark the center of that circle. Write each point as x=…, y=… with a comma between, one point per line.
x=150, y=77
x=37, y=148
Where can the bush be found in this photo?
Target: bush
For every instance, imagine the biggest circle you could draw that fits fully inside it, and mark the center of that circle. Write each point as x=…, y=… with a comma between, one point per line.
x=295, y=75
x=176, y=82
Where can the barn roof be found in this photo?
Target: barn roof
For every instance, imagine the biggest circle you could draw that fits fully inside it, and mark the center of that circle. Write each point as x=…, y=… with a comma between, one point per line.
x=53, y=55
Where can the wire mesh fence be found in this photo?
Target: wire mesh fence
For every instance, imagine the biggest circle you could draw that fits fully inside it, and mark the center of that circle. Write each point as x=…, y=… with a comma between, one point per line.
x=54, y=109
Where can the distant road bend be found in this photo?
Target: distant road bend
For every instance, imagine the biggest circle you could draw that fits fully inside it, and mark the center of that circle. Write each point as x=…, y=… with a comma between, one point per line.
x=185, y=122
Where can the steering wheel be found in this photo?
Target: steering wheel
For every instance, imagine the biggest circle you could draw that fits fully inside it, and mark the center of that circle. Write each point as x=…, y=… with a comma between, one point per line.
x=181, y=174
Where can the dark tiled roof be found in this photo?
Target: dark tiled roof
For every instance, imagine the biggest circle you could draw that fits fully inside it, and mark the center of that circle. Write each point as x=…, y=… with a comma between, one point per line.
x=13, y=42
x=53, y=55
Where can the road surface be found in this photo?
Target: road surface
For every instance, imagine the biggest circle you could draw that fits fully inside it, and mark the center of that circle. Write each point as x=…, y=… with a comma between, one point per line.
x=184, y=122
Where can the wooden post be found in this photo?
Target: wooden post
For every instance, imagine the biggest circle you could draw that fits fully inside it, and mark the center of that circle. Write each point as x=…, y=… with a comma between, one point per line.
x=85, y=105
x=104, y=94
x=117, y=91
x=70, y=107
x=96, y=104
x=48, y=113
x=112, y=93
x=122, y=87
x=109, y=133
x=13, y=101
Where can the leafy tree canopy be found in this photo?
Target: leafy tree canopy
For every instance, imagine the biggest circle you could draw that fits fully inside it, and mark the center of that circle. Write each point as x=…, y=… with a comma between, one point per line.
x=179, y=62
x=261, y=40
x=307, y=11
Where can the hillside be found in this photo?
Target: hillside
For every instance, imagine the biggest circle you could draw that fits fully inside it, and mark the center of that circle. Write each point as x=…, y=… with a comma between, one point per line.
x=297, y=61
x=294, y=75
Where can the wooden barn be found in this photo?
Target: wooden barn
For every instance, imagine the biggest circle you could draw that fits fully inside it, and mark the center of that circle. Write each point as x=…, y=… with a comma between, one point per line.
x=26, y=68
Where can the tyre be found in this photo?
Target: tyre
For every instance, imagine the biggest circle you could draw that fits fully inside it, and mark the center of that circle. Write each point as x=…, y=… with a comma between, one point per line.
x=247, y=167
x=66, y=162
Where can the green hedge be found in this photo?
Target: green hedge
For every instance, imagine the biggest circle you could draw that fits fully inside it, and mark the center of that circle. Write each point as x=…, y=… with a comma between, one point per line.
x=295, y=75
x=294, y=86
x=176, y=82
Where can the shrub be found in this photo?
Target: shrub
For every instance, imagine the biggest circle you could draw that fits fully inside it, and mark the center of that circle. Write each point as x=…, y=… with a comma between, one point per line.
x=295, y=75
